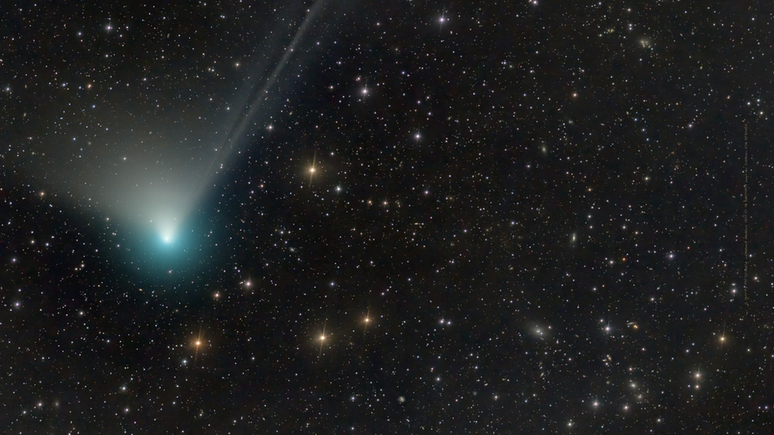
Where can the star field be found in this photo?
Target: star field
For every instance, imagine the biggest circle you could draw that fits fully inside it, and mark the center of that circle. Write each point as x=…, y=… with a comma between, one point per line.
x=233, y=217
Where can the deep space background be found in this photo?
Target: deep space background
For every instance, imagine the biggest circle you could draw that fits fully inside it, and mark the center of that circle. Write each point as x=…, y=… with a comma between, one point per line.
x=396, y=217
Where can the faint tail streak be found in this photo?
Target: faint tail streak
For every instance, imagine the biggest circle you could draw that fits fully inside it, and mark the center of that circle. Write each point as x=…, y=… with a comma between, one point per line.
x=746, y=213
x=241, y=125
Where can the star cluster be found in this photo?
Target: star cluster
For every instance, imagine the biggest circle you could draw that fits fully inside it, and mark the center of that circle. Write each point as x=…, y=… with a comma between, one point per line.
x=386, y=217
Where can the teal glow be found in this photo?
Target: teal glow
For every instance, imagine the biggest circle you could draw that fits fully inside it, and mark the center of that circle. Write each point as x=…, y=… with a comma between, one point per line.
x=164, y=258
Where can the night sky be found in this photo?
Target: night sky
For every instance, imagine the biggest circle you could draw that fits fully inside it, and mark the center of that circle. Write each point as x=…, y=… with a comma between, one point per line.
x=386, y=217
